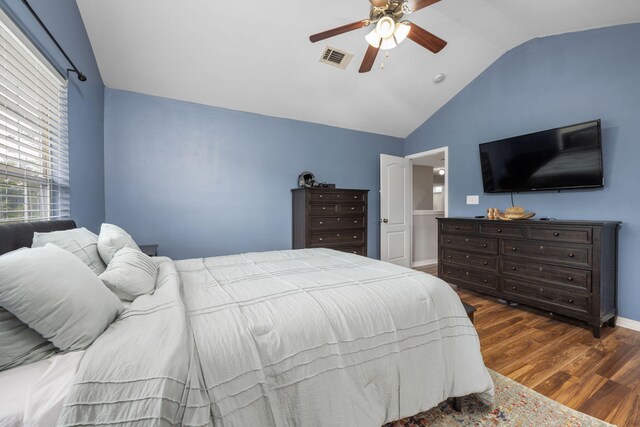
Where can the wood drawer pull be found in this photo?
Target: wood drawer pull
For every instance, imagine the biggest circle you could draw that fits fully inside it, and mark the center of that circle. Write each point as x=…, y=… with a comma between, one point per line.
x=321, y=196
x=485, y=281
x=571, y=301
x=355, y=237
x=555, y=233
x=324, y=209
x=353, y=209
x=355, y=221
x=321, y=222
x=355, y=197
x=571, y=255
x=484, y=245
x=570, y=279
x=513, y=268
x=499, y=230
x=514, y=249
x=449, y=257
x=514, y=288
x=320, y=239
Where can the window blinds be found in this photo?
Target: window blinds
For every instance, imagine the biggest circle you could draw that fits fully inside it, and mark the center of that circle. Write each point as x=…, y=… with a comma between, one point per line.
x=34, y=153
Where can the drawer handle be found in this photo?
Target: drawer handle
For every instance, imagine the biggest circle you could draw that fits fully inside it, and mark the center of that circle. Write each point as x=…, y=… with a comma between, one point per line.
x=320, y=239
x=354, y=221
x=355, y=237
x=466, y=272
x=540, y=269
x=338, y=219
x=456, y=227
x=514, y=288
x=337, y=234
x=484, y=245
x=448, y=272
x=499, y=230
x=355, y=252
x=355, y=197
x=324, y=209
x=338, y=196
x=571, y=255
x=485, y=281
x=448, y=240
x=541, y=289
x=571, y=301
x=467, y=256
x=449, y=257
x=555, y=233
x=353, y=209
x=485, y=263
x=466, y=240
x=570, y=279
x=513, y=268
x=321, y=222
x=321, y=196
x=514, y=249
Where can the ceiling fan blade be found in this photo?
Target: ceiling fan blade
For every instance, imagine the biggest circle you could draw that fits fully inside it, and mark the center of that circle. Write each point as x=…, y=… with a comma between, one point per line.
x=339, y=30
x=378, y=3
x=425, y=39
x=369, y=59
x=421, y=4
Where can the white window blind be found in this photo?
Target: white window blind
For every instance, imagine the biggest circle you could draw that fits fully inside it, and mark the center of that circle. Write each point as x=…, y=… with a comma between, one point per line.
x=34, y=152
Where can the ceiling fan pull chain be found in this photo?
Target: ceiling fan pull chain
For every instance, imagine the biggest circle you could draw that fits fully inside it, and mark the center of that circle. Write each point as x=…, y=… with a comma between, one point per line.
x=386, y=55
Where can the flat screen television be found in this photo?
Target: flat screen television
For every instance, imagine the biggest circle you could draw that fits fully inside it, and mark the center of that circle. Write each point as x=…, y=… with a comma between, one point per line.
x=569, y=157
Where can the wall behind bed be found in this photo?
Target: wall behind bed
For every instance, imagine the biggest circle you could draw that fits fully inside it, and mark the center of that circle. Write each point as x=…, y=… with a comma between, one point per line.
x=204, y=181
x=546, y=83
x=85, y=100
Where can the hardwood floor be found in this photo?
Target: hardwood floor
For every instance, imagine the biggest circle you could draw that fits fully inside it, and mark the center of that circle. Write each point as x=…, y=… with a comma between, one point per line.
x=561, y=359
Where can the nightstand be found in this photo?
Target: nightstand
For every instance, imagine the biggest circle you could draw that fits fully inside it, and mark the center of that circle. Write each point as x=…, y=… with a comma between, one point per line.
x=151, y=250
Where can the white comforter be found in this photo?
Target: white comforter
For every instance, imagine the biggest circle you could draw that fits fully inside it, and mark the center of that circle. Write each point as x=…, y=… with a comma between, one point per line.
x=286, y=338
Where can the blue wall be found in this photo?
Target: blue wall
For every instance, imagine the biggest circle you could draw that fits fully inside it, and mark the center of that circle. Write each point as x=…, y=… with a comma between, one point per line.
x=204, y=181
x=86, y=100
x=543, y=84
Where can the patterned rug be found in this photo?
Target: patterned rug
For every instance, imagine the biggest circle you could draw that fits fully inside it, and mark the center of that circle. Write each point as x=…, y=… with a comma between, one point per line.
x=515, y=405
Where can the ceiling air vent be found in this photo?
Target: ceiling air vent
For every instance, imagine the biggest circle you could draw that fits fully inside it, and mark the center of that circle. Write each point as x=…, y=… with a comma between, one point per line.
x=335, y=57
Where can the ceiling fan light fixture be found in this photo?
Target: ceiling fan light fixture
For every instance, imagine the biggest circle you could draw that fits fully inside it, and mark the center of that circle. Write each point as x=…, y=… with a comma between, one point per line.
x=373, y=38
x=388, y=43
x=385, y=27
x=402, y=31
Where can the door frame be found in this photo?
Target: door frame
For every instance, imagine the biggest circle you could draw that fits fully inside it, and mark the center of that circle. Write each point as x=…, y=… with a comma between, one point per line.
x=444, y=151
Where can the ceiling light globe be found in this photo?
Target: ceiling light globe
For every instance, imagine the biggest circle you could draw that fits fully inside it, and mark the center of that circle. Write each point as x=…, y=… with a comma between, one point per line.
x=385, y=27
x=373, y=39
x=402, y=31
x=388, y=43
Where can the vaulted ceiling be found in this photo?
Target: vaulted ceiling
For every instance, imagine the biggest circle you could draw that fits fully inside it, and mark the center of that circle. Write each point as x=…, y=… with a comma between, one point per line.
x=256, y=56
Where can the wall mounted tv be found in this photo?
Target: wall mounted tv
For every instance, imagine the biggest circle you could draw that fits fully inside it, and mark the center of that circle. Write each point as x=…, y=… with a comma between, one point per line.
x=569, y=157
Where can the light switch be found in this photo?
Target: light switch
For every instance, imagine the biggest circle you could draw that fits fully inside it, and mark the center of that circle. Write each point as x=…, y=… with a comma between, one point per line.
x=473, y=200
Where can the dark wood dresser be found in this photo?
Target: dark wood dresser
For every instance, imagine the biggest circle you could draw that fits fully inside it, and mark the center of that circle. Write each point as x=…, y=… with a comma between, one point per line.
x=564, y=267
x=333, y=218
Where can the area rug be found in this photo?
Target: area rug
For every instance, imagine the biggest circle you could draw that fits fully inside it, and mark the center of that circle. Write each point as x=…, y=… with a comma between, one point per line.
x=514, y=405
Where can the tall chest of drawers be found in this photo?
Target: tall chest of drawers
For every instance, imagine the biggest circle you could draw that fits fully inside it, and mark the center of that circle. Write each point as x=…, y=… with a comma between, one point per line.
x=563, y=267
x=333, y=218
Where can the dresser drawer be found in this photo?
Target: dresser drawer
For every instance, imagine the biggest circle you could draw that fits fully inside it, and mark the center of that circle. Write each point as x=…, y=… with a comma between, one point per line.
x=548, y=295
x=357, y=250
x=566, y=277
x=323, y=223
x=464, y=227
x=479, y=244
x=489, y=262
x=336, y=197
x=499, y=229
x=566, y=235
x=469, y=277
x=346, y=236
x=323, y=209
x=351, y=208
x=578, y=256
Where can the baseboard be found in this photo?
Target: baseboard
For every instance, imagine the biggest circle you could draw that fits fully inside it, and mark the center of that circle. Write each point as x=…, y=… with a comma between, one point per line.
x=628, y=323
x=424, y=263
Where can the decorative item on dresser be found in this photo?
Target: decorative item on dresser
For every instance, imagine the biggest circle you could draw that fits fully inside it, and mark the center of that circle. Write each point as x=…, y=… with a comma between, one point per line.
x=564, y=267
x=333, y=218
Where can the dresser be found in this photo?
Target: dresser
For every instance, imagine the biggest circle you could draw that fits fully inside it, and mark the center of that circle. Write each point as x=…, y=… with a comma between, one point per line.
x=563, y=267
x=333, y=218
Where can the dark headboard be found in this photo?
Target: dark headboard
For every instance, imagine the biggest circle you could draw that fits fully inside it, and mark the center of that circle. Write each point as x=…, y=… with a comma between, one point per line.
x=20, y=235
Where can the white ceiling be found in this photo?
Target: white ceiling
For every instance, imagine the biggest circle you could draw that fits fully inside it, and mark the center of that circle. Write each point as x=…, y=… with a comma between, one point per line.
x=252, y=56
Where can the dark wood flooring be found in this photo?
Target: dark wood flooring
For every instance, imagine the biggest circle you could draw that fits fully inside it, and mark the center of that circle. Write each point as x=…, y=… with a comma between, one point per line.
x=561, y=359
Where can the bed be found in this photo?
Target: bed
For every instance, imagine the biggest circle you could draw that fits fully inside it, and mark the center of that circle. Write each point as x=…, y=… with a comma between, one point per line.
x=310, y=337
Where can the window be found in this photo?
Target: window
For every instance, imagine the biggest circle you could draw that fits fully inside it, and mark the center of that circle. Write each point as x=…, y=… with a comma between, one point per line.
x=34, y=153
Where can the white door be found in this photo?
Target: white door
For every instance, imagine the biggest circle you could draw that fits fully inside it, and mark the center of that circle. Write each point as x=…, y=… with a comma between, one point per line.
x=395, y=210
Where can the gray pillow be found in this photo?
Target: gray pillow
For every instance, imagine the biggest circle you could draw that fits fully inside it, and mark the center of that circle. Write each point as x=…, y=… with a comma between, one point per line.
x=130, y=274
x=111, y=239
x=19, y=344
x=79, y=241
x=57, y=295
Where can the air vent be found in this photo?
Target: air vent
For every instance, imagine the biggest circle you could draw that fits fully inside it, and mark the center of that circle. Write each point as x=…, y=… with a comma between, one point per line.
x=335, y=57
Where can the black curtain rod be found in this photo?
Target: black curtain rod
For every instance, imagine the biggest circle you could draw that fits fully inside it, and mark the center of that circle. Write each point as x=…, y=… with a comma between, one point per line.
x=81, y=76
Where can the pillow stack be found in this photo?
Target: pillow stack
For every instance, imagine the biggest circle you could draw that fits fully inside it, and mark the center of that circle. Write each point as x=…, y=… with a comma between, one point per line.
x=66, y=290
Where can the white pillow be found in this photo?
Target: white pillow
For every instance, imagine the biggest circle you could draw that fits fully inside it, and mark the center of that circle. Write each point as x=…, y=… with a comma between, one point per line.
x=111, y=239
x=19, y=344
x=130, y=274
x=79, y=241
x=55, y=294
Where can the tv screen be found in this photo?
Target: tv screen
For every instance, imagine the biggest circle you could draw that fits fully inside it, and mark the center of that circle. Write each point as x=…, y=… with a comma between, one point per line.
x=569, y=157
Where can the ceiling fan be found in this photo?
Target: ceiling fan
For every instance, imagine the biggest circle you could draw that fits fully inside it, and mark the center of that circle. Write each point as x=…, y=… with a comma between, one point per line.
x=389, y=30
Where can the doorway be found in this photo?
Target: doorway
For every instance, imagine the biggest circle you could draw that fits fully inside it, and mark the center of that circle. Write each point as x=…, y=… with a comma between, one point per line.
x=430, y=171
